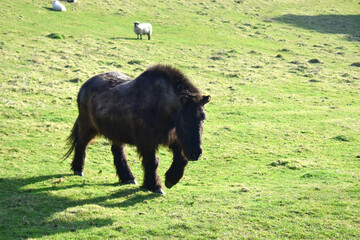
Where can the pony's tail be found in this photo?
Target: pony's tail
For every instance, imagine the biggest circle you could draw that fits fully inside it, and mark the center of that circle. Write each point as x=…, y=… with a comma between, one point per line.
x=72, y=140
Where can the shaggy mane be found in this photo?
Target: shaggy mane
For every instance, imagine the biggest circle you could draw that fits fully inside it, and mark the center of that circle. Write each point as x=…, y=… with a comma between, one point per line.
x=180, y=83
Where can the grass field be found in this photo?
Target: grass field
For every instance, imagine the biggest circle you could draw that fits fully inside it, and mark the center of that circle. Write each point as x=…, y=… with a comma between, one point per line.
x=281, y=141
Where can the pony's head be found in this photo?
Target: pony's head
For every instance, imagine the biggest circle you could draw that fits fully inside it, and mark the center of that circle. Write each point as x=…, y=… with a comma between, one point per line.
x=189, y=125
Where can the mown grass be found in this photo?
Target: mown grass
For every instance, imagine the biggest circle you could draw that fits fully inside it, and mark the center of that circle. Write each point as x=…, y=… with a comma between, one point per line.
x=281, y=142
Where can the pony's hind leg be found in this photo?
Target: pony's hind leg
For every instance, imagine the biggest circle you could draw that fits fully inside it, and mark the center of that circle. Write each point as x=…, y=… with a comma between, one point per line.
x=84, y=135
x=122, y=167
x=151, y=179
x=176, y=171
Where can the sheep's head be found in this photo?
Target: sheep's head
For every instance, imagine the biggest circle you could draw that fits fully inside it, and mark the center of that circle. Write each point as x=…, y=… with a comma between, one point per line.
x=136, y=23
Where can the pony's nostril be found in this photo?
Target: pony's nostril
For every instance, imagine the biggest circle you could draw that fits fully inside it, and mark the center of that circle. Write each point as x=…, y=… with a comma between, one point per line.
x=196, y=154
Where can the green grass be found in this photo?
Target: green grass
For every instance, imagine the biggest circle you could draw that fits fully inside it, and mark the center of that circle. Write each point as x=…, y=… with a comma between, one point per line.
x=278, y=125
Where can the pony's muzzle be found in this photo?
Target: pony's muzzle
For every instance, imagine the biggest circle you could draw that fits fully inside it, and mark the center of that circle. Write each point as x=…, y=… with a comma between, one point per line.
x=195, y=154
x=169, y=184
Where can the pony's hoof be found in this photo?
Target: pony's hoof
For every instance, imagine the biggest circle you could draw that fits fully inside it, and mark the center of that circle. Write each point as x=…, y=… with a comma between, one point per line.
x=160, y=191
x=79, y=173
x=132, y=181
x=154, y=190
x=168, y=184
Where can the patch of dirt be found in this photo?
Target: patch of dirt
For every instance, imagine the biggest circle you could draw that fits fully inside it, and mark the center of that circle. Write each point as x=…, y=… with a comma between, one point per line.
x=56, y=36
x=341, y=138
x=314, y=61
x=356, y=64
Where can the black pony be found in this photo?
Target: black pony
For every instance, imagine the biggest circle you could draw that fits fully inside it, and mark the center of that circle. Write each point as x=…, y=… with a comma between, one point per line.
x=161, y=106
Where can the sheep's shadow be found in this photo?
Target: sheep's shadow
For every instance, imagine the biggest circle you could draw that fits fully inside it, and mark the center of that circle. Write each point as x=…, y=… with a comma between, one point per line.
x=330, y=24
x=49, y=9
x=123, y=38
x=24, y=202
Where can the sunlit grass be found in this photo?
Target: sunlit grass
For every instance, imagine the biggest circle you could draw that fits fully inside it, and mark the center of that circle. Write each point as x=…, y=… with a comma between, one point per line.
x=281, y=139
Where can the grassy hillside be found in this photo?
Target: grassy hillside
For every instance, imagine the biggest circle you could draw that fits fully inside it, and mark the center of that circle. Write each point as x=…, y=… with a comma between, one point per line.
x=281, y=143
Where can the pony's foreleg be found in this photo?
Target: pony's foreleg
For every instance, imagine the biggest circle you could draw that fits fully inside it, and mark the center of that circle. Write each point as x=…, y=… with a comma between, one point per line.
x=122, y=168
x=151, y=179
x=177, y=168
x=82, y=139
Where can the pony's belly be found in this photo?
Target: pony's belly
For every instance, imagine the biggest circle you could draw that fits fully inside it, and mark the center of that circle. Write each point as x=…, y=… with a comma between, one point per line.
x=118, y=132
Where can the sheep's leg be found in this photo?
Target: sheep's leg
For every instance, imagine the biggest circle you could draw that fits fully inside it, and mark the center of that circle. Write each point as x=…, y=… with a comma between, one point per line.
x=140, y=36
x=137, y=36
x=148, y=36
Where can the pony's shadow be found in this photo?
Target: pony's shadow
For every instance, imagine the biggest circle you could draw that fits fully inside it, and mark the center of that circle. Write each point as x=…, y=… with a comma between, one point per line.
x=41, y=204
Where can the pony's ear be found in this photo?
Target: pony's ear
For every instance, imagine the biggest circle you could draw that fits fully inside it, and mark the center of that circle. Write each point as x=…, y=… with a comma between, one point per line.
x=205, y=100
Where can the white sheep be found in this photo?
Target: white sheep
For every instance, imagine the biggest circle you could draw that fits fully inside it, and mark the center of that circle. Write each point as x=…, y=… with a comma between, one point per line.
x=57, y=6
x=142, y=29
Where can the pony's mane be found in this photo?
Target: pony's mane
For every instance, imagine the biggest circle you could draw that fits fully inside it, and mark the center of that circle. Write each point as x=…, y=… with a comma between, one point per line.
x=180, y=83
